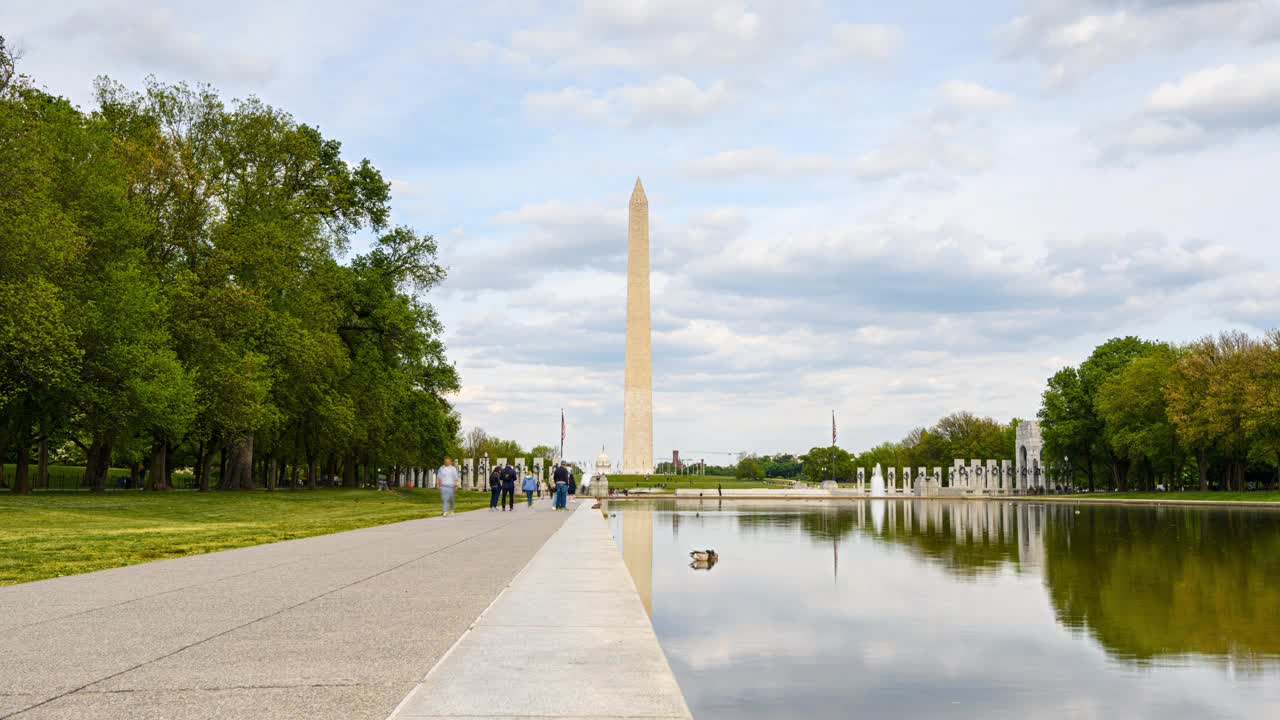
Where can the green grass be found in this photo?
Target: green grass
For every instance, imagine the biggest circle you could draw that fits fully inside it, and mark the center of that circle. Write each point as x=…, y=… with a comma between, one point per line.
x=51, y=534
x=618, y=482
x=1254, y=496
x=68, y=477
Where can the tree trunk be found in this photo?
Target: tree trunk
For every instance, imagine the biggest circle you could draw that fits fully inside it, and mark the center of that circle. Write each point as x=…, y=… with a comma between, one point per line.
x=202, y=467
x=1120, y=474
x=169, y=449
x=135, y=475
x=4, y=447
x=22, y=471
x=1202, y=468
x=312, y=469
x=349, y=471
x=42, y=459
x=268, y=469
x=240, y=464
x=156, y=481
x=294, y=471
x=98, y=456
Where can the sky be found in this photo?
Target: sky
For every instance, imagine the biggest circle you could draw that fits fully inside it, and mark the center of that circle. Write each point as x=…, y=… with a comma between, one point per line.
x=890, y=210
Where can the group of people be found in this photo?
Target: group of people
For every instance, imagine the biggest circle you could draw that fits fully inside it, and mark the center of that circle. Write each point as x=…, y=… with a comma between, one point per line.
x=502, y=486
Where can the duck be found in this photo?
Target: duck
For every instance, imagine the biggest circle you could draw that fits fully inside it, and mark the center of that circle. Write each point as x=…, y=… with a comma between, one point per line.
x=703, y=556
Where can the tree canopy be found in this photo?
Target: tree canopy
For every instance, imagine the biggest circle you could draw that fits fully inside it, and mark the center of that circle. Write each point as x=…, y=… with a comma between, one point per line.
x=175, y=286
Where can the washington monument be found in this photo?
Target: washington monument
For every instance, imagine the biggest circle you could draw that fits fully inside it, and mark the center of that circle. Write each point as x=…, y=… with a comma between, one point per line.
x=637, y=403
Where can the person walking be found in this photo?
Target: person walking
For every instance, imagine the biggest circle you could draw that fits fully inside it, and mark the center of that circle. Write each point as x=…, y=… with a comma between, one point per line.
x=509, y=477
x=562, y=477
x=495, y=487
x=529, y=485
x=447, y=477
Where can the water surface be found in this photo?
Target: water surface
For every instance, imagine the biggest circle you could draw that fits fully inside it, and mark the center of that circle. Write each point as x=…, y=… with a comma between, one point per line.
x=962, y=609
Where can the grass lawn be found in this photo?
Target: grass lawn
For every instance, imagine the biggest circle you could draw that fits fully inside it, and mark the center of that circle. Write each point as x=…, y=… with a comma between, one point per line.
x=50, y=534
x=68, y=477
x=672, y=482
x=1255, y=496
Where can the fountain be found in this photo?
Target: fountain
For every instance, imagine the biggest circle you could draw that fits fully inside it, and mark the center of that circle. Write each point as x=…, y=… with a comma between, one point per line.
x=877, y=482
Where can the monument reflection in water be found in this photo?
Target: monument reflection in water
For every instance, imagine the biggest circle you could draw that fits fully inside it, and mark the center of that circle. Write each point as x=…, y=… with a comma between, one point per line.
x=962, y=609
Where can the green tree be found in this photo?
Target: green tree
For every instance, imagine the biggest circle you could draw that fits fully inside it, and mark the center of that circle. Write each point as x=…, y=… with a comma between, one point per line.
x=750, y=468
x=827, y=463
x=1132, y=405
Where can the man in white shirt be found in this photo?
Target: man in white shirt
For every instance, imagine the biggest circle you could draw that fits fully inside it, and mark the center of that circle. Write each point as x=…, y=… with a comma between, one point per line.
x=447, y=476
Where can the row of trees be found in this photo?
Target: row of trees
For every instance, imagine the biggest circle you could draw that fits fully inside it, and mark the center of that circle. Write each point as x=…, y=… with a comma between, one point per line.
x=959, y=435
x=1138, y=413
x=476, y=443
x=172, y=291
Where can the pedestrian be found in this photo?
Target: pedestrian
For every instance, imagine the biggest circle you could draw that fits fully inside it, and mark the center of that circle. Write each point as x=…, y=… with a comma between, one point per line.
x=573, y=484
x=495, y=487
x=529, y=485
x=447, y=477
x=509, y=476
x=562, y=477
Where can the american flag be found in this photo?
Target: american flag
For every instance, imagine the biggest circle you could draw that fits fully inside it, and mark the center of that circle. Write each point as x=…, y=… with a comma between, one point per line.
x=562, y=427
x=833, y=428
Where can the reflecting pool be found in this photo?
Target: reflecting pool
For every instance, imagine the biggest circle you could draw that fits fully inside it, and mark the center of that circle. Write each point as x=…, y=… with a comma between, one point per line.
x=961, y=609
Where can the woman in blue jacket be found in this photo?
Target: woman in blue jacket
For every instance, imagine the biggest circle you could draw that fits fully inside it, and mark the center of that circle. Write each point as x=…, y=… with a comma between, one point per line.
x=529, y=485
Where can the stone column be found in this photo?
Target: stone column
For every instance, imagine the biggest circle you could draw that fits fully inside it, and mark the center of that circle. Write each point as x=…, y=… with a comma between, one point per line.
x=907, y=486
x=975, y=476
x=1006, y=477
x=464, y=471
x=936, y=481
x=993, y=478
x=891, y=481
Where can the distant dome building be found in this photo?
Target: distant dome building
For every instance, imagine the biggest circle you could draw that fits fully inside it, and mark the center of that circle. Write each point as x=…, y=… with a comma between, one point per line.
x=603, y=465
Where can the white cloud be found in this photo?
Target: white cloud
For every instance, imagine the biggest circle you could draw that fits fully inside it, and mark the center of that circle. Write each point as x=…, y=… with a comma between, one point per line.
x=866, y=41
x=162, y=38
x=972, y=96
x=670, y=34
x=758, y=161
x=569, y=101
x=1228, y=95
x=1206, y=107
x=1073, y=40
x=669, y=100
x=1153, y=136
x=930, y=144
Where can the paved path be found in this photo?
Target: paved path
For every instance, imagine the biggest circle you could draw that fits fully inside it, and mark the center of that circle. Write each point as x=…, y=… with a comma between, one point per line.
x=336, y=626
x=568, y=639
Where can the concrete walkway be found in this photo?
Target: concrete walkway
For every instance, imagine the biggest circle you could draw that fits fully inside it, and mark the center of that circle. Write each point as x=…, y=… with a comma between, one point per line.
x=568, y=639
x=335, y=626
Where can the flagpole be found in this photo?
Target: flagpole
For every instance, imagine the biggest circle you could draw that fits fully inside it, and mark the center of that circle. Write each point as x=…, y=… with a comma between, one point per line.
x=833, y=446
x=561, y=434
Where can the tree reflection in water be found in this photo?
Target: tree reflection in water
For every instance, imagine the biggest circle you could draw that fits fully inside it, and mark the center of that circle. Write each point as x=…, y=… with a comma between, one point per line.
x=1146, y=583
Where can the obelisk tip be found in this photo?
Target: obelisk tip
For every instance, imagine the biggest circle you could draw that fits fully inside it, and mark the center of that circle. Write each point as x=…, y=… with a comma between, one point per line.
x=638, y=190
